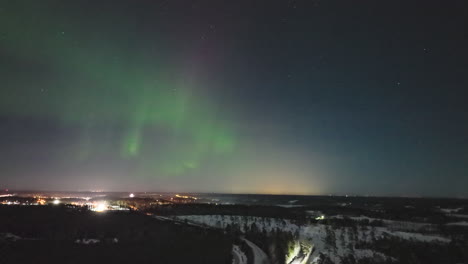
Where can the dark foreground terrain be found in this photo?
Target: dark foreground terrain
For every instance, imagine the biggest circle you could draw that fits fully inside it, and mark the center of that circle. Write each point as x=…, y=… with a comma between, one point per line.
x=57, y=234
x=269, y=230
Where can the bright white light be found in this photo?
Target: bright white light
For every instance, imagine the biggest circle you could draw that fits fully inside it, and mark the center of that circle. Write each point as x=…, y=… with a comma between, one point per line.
x=131, y=195
x=100, y=206
x=56, y=201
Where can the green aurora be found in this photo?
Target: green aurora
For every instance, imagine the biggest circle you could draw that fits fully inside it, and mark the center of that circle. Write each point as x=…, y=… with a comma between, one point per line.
x=297, y=97
x=110, y=79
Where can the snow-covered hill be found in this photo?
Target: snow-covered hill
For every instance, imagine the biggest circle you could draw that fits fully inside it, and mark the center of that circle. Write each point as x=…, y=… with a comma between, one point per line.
x=334, y=242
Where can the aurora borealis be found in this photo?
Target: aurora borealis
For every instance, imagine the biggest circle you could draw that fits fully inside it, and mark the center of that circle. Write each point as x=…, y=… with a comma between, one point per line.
x=98, y=83
x=255, y=96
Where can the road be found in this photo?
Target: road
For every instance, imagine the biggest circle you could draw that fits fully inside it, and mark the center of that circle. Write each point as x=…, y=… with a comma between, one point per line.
x=259, y=256
x=239, y=256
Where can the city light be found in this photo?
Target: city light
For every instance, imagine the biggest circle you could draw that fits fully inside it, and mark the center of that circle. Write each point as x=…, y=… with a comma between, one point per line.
x=185, y=197
x=56, y=201
x=100, y=206
x=131, y=195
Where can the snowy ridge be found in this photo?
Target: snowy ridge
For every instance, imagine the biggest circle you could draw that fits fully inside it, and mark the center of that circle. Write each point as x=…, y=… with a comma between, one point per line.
x=461, y=223
x=400, y=225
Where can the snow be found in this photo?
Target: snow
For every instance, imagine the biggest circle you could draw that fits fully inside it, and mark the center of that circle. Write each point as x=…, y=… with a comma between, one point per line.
x=87, y=241
x=314, y=213
x=462, y=223
x=300, y=254
x=367, y=253
x=315, y=235
x=400, y=225
x=292, y=255
x=419, y=237
x=316, y=260
x=450, y=210
x=458, y=215
x=289, y=205
x=9, y=237
x=239, y=256
x=259, y=256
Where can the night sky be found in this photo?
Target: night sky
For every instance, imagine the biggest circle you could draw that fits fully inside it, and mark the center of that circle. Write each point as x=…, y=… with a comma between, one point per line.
x=291, y=96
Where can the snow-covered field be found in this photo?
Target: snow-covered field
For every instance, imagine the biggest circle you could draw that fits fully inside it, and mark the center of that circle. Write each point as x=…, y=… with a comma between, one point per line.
x=458, y=215
x=462, y=223
x=344, y=240
x=9, y=237
x=392, y=224
x=87, y=241
x=454, y=212
x=450, y=210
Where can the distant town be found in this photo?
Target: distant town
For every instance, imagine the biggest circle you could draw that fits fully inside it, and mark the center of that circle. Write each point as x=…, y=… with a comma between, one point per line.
x=97, y=201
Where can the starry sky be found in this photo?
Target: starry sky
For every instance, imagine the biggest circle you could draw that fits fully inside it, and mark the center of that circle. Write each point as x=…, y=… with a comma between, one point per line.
x=276, y=96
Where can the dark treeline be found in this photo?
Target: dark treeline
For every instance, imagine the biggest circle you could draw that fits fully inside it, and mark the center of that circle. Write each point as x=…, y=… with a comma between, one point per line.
x=211, y=209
